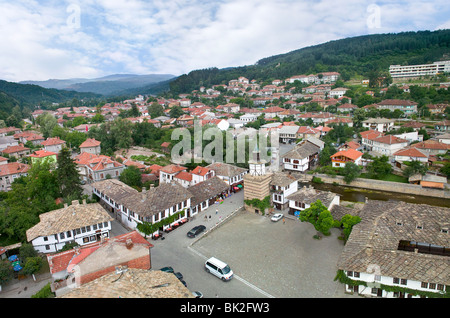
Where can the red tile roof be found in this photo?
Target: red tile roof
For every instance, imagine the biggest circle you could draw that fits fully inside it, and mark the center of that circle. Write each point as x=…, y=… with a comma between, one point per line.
x=13, y=168
x=52, y=141
x=349, y=153
x=90, y=142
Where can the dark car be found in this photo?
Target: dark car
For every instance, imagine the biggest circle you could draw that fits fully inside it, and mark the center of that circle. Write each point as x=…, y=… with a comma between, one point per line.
x=178, y=275
x=167, y=269
x=196, y=230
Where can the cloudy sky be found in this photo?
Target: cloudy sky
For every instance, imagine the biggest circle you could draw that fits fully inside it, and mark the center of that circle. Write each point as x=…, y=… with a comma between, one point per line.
x=91, y=38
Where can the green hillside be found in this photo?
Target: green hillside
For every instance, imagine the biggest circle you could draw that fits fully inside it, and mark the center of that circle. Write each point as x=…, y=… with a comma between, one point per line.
x=350, y=57
x=31, y=95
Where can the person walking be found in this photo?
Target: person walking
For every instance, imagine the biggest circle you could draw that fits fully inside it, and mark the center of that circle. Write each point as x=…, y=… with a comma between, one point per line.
x=284, y=220
x=217, y=211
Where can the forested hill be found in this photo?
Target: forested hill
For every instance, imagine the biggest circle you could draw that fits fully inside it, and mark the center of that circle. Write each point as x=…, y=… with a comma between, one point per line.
x=31, y=95
x=351, y=56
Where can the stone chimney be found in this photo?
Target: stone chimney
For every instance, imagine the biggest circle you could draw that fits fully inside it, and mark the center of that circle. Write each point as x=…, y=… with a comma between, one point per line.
x=75, y=202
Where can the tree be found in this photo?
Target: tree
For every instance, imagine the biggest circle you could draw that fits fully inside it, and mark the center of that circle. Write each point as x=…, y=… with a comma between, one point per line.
x=379, y=167
x=348, y=221
x=6, y=272
x=176, y=112
x=319, y=216
x=351, y=172
x=32, y=265
x=359, y=115
x=46, y=122
x=446, y=169
x=131, y=176
x=415, y=167
x=155, y=110
x=68, y=178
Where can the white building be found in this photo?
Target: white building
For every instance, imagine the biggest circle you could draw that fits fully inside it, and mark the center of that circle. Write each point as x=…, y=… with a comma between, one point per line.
x=281, y=186
x=247, y=118
x=381, y=124
x=131, y=207
x=301, y=158
x=398, y=250
x=79, y=223
x=436, y=68
x=388, y=145
x=303, y=198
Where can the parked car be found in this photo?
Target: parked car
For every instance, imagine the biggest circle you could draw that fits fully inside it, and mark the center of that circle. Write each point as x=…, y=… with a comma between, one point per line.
x=196, y=230
x=197, y=294
x=276, y=217
x=167, y=269
x=178, y=275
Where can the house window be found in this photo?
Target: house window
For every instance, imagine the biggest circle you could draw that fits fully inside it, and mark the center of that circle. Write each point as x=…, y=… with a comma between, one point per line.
x=47, y=247
x=440, y=287
x=105, y=224
x=396, y=280
x=69, y=234
x=432, y=286
x=45, y=238
x=350, y=274
x=424, y=285
x=357, y=274
x=61, y=236
x=404, y=281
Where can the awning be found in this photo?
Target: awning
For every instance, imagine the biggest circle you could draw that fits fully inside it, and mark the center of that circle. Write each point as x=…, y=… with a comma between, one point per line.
x=12, y=258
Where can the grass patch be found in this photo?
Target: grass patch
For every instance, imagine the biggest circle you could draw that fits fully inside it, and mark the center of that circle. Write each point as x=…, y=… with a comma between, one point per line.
x=390, y=177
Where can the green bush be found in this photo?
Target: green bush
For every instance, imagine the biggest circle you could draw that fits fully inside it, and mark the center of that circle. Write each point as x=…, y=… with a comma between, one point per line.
x=45, y=292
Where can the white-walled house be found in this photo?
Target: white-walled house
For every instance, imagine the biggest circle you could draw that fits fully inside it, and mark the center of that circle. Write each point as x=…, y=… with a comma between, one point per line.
x=200, y=174
x=388, y=145
x=410, y=154
x=301, y=158
x=398, y=250
x=381, y=124
x=303, y=198
x=80, y=223
x=342, y=157
x=131, y=207
x=282, y=185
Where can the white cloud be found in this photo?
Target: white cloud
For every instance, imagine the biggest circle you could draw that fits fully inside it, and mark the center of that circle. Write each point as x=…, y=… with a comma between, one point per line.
x=41, y=40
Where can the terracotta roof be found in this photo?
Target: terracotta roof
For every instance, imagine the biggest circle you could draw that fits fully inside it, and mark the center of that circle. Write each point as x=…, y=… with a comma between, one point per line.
x=349, y=153
x=431, y=144
x=66, y=260
x=90, y=142
x=397, y=102
x=201, y=171
x=14, y=149
x=42, y=153
x=410, y=152
x=183, y=175
x=13, y=168
x=389, y=139
x=370, y=134
x=172, y=168
x=52, y=141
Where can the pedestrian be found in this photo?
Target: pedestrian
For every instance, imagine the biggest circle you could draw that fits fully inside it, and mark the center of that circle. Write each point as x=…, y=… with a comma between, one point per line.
x=217, y=211
x=284, y=220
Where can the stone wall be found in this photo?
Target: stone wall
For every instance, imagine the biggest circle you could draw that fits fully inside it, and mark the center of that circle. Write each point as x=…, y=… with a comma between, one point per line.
x=379, y=185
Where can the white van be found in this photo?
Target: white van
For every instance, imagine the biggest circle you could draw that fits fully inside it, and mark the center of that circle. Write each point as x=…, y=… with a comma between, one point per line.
x=219, y=269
